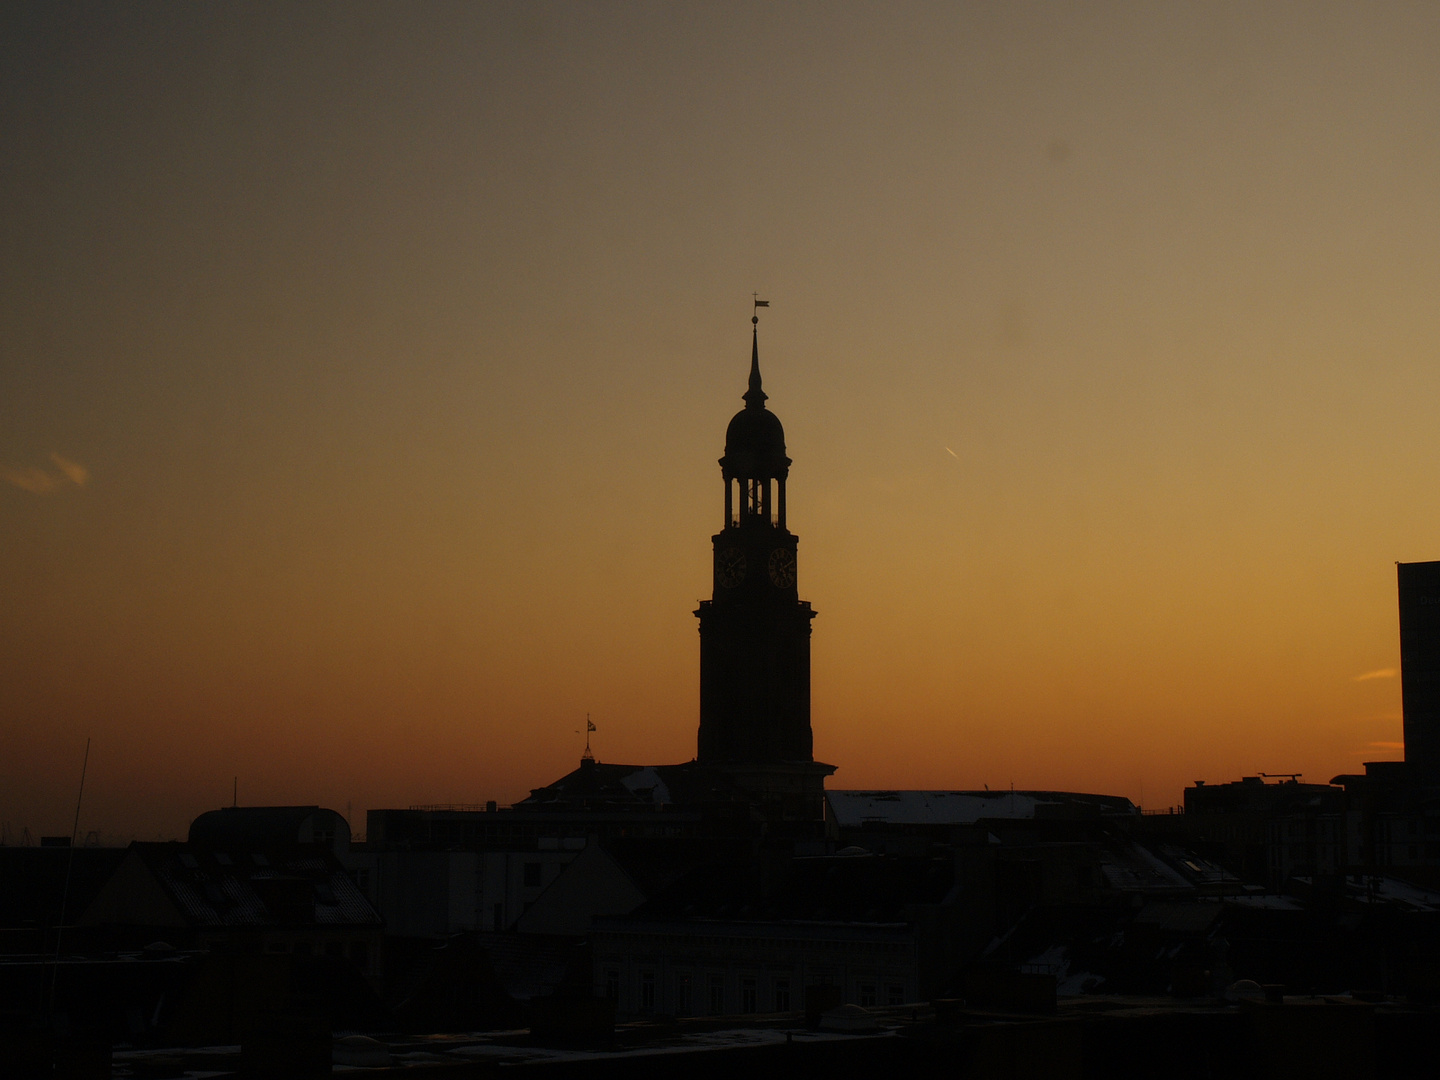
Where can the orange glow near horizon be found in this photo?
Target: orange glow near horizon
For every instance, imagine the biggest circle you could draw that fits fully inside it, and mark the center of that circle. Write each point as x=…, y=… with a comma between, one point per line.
x=366, y=370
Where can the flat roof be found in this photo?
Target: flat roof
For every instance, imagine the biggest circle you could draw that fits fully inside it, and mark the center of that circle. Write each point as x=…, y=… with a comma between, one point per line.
x=856, y=808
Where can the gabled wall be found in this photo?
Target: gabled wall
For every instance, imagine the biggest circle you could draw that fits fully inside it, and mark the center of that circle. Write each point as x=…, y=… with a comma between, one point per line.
x=593, y=884
x=132, y=897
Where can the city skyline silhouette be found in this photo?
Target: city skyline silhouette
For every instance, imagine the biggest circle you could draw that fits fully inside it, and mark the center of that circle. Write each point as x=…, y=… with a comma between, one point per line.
x=365, y=375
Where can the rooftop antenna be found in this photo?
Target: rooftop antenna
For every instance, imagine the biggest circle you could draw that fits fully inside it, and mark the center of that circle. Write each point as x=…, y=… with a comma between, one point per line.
x=69, y=865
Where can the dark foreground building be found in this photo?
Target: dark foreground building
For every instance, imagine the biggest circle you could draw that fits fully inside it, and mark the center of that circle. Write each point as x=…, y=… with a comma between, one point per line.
x=1419, y=585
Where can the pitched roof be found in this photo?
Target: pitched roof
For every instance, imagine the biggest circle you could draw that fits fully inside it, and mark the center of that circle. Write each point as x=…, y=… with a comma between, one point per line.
x=33, y=882
x=601, y=785
x=213, y=888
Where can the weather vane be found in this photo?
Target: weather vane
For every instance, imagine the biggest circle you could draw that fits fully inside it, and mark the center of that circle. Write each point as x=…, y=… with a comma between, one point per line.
x=755, y=318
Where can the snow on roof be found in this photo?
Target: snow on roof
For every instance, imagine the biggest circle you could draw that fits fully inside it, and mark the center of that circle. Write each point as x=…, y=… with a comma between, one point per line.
x=1385, y=890
x=1130, y=867
x=855, y=808
x=647, y=779
x=1265, y=901
x=213, y=890
x=1393, y=890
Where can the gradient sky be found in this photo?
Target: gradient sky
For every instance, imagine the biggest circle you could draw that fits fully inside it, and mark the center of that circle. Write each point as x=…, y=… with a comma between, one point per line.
x=365, y=368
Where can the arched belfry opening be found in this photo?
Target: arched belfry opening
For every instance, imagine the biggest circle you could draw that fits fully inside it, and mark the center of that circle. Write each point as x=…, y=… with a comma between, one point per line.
x=755, y=467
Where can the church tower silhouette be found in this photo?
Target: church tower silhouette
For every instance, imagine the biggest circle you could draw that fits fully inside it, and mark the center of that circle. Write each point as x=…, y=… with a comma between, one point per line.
x=755, y=745
x=755, y=630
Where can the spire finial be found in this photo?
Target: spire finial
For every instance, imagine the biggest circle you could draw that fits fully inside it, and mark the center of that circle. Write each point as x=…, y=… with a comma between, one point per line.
x=755, y=397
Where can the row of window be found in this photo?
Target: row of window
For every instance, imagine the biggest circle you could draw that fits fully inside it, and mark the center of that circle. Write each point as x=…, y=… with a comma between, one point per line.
x=695, y=994
x=358, y=951
x=1390, y=853
x=662, y=942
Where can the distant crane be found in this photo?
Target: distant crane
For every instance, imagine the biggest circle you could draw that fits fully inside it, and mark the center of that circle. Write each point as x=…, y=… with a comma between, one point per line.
x=1293, y=777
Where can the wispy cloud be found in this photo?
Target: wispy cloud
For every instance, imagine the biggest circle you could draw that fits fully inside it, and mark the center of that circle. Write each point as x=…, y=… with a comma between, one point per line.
x=42, y=481
x=1387, y=746
x=76, y=473
x=35, y=480
x=1378, y=673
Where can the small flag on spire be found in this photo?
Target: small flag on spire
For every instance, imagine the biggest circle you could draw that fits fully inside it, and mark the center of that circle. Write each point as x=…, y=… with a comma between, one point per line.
x=589, y=726
x=762, y=303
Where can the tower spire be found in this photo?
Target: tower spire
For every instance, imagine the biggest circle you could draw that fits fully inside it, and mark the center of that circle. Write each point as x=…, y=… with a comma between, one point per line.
x=755, y=396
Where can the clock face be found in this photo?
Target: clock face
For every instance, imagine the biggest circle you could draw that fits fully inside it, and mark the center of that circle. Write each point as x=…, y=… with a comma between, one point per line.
x=729, y=567
x=782, y=568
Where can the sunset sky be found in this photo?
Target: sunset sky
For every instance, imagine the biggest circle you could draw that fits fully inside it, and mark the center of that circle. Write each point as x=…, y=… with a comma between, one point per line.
x=364, y=368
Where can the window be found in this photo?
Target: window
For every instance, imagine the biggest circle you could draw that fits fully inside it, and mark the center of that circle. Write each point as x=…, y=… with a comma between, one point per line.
x=647, y=991
x=782, y=995
x=867, y=994
x=894, y=995
x=717, y=994
x=747, y=995
x=682, y=994
x=612, y=985
x=532, y=875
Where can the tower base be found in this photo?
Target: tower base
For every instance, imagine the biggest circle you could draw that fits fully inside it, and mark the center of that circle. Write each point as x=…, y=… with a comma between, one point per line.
x=781, y=790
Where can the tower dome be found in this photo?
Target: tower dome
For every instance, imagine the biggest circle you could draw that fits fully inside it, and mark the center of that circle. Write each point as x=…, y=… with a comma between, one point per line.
x=755, y=439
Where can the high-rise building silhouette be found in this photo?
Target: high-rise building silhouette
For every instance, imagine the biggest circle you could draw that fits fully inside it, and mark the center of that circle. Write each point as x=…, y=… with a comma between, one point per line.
x=1419, y=586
